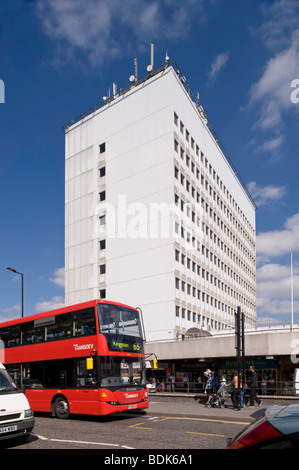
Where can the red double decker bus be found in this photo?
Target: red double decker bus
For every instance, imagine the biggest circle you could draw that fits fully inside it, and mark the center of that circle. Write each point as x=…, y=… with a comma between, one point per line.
x=84, y=359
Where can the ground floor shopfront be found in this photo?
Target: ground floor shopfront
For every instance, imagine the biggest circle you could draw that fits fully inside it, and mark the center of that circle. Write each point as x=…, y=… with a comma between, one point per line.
x=275, y=374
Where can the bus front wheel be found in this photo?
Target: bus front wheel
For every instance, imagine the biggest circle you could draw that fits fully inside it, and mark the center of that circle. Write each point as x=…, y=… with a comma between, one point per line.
x=61, y=408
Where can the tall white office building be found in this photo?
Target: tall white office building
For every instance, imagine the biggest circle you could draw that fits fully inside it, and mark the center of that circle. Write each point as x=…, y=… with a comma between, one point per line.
x=155, y=215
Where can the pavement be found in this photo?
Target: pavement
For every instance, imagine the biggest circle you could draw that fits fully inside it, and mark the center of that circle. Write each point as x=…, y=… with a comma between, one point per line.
x=193, y=406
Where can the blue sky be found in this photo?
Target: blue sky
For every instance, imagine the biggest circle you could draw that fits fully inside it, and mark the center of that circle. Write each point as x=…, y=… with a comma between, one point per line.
x=58, y=58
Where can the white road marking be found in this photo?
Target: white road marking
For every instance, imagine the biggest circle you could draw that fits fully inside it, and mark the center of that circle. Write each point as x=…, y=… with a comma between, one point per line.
x=79, y=442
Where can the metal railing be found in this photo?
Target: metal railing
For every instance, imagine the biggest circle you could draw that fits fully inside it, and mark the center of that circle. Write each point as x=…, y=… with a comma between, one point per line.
x=284, y=388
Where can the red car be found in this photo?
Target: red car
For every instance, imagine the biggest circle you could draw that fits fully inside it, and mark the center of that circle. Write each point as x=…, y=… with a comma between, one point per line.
x=278, y=429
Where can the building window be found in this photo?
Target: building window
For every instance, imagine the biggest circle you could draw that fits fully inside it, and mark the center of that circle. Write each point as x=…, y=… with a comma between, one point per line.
x=102, y=147
x=102, y=244
x=102, y=171
x=102, y=195
x=102, y=268
x=102, y=293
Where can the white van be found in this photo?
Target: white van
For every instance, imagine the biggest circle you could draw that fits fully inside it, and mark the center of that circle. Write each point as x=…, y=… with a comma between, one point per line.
x=16, y=416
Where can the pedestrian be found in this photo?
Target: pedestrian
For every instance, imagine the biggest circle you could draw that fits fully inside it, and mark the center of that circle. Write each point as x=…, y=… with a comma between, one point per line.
x=235, y=392
x=172, y=381
x=222, y=384
x=242, y=393
x=264, y=386
x=209, y=389
x=271, y=385
x=185, y=381
x=253, y=384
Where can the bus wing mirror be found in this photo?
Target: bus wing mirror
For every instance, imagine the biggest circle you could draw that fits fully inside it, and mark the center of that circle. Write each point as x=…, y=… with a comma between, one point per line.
x=89, y=363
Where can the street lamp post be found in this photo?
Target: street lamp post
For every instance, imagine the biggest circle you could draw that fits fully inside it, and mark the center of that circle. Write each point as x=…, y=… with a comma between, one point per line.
x=21, y=274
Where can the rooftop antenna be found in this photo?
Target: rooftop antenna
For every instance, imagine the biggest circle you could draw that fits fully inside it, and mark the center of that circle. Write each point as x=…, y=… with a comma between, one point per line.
x=151, y=66
x=105, y=98
x=133, y=78
x=152, y=56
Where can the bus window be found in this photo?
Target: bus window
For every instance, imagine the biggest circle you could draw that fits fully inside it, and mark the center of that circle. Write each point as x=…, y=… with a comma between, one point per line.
x=85, y=378
x=32, y=334
x=84, y=322
x=62, y=329
x=114, y=319
x=116, y=370
x=11, y=336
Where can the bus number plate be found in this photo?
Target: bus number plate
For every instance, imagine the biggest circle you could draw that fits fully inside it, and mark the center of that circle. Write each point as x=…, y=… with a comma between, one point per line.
x=132, y=407
x=8, y=429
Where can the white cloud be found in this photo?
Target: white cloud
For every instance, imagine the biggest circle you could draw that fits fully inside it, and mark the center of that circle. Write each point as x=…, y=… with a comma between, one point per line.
x=52, y=304
x=274, y=281
x=58, y=277
x=108, y=29
x=274, y=293
x=279, y=242
x=280, y=33
x=218, y=63
x=265, y=194
x=10, y=313
x=273, y=91
x=272, y=144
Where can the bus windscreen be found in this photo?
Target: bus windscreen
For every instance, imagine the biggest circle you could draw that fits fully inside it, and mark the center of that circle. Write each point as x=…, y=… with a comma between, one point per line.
x=118, y=320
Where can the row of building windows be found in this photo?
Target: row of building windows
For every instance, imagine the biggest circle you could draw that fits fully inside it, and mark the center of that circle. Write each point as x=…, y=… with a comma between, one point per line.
x=214, y=197
x=185, y=287
x=200, y=320
x=192, y=245
x=208, y=167
x=207, y=206
x=211, y=277
x=102, y=218
x=245, y=260
x=230, y=237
